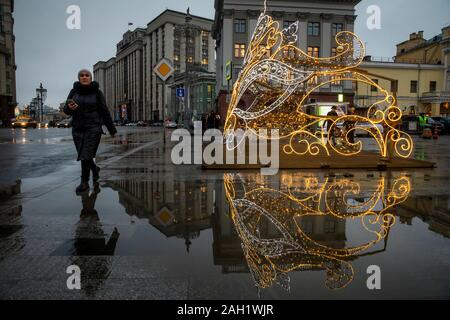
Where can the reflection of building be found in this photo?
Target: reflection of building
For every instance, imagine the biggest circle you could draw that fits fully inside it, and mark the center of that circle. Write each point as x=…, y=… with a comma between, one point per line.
x=227, y=244
x=7, y=61
x=421, y=68
x=176, y=208
x=435, y=211
x=128, y=79
x=319, y=21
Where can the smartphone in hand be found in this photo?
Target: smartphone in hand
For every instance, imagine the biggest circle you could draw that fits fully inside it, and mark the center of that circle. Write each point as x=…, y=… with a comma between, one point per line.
x=72, y=104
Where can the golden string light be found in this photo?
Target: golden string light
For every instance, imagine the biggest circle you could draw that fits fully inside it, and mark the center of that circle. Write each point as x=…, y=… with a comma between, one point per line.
x=276, y=80
x=256, y=208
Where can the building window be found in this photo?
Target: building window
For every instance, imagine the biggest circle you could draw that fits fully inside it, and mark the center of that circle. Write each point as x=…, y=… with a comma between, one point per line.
x=314, y=51
x=374, y=88
x=329, y=226
x=190, y=59
x=239, y=50
x=205, y=52
x=413, y=86
x=240, y=25
x=333, y=51
x=307, y=226
x=287, y=23
x=336, y=80
x=313, y=28
x=336, y=28
x=176, y=58
x=432, y=86
x=205, y=61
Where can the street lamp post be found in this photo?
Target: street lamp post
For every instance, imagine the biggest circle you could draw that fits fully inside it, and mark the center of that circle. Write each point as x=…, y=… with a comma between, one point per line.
x=41, y=95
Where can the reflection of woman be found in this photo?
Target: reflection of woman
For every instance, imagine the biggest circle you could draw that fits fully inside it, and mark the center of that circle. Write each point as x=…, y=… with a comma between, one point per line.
x=91, y=252
x=87, y=106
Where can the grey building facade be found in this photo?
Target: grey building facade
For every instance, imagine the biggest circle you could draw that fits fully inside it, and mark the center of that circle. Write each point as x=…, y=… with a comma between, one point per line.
x=319, y=21
x=7, y=62
x=135, y=92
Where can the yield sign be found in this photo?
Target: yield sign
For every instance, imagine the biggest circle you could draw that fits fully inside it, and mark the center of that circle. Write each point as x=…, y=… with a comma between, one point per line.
x=164, y=69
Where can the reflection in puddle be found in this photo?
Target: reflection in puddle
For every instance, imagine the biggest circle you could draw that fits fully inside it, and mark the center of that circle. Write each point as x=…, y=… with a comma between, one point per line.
x=267, y=228
x=300, y=224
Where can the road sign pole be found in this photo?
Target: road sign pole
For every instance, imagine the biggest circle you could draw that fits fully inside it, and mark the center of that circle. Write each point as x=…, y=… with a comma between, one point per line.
x=164, y=112
x=164, y=70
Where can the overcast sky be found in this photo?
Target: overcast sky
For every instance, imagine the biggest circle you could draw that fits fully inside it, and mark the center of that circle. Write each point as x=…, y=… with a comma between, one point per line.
x=48, y=52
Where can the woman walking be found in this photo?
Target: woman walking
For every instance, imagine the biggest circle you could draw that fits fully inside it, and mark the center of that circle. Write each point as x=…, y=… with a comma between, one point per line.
x=86, y=105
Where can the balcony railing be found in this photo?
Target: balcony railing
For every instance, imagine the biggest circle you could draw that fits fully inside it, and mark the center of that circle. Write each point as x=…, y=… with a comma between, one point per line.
x=437, y=97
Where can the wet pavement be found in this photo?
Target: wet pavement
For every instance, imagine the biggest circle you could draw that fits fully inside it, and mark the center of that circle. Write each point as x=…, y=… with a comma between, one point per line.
x=152, y=230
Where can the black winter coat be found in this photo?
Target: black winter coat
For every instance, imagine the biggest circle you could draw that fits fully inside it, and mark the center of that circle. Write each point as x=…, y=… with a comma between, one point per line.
x=88, y=118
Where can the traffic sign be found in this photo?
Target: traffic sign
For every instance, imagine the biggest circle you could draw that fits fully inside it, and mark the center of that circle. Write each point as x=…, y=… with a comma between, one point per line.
x=164, y=69
x=180, y=92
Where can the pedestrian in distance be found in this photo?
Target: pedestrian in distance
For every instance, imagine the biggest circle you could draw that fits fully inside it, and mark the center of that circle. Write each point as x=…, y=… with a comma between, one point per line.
x=349, y=125
x=86, y=105
x=329, y=124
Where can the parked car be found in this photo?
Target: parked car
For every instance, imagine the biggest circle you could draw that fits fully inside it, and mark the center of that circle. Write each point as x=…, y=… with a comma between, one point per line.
x=141, y=124
x=171, y=125
x=433, y=124
x=25, y=123
x=445, y=122
x=67, y=123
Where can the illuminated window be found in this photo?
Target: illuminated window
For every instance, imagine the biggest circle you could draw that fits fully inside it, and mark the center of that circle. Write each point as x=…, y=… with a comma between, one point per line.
x=336, y=80
x=205, y=61
x=239, y=50
x=176, y=57
x=313, y=28
x=314, y=51
x=190, y=59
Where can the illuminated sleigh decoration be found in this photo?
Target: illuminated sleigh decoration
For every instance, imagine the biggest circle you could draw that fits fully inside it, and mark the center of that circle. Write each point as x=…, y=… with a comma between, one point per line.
x=271, y=257
x=277, y=79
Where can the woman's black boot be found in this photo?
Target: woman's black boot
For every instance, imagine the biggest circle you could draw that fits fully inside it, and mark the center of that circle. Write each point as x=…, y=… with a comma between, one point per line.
x=95, y=173
x=84, y=185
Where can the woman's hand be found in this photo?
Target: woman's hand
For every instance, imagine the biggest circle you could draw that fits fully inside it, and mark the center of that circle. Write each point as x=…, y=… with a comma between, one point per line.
x=72, y=105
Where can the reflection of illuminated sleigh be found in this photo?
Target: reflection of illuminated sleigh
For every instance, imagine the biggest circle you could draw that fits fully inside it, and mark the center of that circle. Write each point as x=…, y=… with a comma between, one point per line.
x=271, y=258
x=276, y=80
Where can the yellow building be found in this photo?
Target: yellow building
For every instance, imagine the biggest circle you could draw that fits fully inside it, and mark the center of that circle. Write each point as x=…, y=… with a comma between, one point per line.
x=422, y=71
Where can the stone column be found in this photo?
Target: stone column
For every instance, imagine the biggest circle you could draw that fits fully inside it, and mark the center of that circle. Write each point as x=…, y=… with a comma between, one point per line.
x=303, y=31
x=227, y=42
